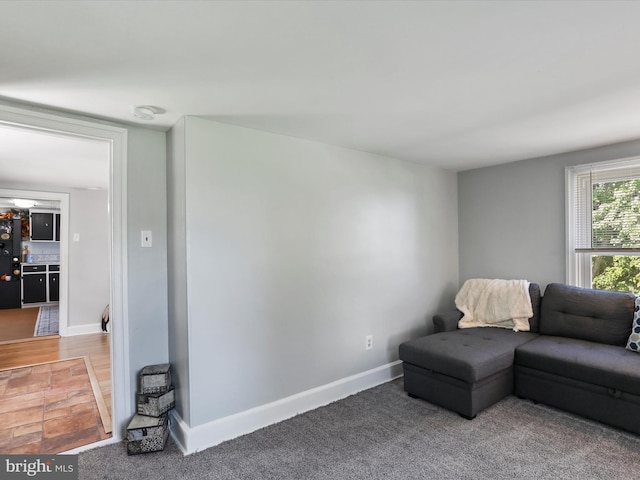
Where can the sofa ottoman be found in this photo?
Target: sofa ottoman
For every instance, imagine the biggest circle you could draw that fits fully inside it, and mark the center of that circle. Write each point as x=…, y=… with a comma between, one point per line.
x=465, y=370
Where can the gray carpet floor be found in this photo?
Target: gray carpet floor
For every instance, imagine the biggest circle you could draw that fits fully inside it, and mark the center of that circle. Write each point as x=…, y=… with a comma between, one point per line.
x=383, y=434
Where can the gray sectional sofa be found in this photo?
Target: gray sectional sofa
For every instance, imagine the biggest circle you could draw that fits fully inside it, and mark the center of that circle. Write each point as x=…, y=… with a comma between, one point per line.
x=574, y=358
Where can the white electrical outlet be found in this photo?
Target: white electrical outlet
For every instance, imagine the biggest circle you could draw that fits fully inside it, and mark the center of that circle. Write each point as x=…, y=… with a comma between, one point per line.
x=368, y=342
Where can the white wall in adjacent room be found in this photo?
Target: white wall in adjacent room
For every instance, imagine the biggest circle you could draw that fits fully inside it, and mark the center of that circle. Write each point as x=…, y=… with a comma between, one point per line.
x=89, y=269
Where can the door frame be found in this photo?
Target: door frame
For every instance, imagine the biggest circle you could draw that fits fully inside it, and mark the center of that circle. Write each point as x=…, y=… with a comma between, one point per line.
x=39, y=120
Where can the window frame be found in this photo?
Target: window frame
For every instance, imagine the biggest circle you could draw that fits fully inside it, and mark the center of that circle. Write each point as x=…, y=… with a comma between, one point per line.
x=578, y=184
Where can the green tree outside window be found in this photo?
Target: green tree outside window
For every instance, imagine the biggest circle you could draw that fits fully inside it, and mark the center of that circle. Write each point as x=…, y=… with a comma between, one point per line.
x=616, y=224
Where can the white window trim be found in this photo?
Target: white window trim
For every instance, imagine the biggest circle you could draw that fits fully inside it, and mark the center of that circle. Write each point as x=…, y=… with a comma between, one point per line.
x=578, y=265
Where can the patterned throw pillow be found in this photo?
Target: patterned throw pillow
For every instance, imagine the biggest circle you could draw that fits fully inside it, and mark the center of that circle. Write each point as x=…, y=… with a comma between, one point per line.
x=633, y=343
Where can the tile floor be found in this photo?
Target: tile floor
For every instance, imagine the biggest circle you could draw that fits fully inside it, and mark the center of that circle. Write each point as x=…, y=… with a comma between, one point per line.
x=48, y=408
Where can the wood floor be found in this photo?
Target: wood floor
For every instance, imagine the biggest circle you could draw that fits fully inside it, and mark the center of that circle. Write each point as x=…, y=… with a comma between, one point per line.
x=94, y=346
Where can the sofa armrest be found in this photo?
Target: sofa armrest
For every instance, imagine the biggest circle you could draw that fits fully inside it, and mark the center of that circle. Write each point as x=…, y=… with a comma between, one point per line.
x=447, y=321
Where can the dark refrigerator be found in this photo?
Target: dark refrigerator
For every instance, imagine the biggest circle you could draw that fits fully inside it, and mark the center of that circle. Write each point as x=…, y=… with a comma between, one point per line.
x=10, y=236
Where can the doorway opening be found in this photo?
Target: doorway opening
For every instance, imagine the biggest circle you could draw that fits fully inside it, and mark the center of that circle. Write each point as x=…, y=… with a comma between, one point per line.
x=40, y=279
x=114, y=138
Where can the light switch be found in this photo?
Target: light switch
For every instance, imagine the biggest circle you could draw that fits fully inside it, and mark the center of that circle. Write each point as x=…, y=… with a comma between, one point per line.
x=146, y=238
x=76, y=237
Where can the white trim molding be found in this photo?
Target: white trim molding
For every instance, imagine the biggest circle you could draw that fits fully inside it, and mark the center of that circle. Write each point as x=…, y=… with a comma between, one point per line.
x=571, y=260
x=194, y=439
x=73, y=330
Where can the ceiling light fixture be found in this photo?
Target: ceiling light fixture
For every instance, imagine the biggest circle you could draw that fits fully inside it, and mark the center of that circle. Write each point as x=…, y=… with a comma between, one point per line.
x=146, y=112
x=21, y=203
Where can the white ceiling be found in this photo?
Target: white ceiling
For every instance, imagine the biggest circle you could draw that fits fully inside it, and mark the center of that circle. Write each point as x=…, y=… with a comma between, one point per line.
x=43, y=159
x=455, y=84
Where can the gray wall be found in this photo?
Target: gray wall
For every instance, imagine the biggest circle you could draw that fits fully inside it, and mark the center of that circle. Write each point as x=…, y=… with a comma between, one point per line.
x=295, y=251
x=147, y=267
x=512, y=216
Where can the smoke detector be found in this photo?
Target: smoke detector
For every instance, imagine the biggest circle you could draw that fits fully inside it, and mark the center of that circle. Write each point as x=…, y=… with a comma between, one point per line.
x=146, y=112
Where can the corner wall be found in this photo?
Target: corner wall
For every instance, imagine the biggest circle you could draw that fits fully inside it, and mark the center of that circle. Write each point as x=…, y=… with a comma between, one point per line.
x=177, y=267
x=296, y=251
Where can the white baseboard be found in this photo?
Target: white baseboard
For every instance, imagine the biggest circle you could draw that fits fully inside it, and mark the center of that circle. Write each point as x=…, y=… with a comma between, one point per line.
x=194, y=439
x=83, y=329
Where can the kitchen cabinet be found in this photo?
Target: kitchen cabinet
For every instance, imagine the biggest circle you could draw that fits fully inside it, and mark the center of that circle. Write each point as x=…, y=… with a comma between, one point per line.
x=44, y=225
x=54, y=287
x=40, y=283
x=34, y=288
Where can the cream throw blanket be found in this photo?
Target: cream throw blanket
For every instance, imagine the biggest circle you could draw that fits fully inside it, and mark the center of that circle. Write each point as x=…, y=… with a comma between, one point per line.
x=495, y=303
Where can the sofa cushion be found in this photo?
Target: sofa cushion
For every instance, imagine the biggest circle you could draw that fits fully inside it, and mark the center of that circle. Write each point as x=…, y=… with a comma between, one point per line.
x=633, y=343
x=610, y=366
x=470, y=355
x=534, y=293
x=583, y=313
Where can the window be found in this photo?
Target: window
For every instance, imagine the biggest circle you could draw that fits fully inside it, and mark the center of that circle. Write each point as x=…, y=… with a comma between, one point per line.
x=603, y=225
